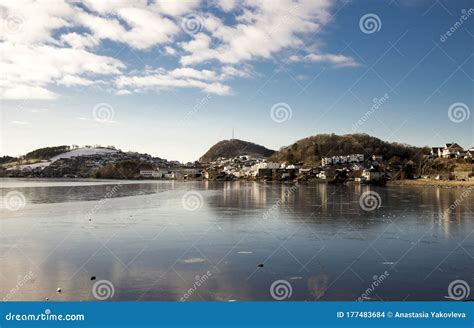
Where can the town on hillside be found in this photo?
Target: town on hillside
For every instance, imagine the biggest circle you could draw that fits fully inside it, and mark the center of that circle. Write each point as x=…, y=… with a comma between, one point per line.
x=448, y=162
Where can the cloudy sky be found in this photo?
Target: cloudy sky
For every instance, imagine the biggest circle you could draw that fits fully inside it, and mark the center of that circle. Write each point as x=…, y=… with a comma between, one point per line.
x=171, y=78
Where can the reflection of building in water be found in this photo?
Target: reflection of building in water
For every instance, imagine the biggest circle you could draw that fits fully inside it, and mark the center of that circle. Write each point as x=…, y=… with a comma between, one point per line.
x=449, y=208
x=244, y=194
x=323, y=197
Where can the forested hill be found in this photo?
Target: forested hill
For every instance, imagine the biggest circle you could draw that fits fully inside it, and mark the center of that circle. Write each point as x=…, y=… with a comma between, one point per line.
x=235, y=147
x=47, y=152
x=310, y=150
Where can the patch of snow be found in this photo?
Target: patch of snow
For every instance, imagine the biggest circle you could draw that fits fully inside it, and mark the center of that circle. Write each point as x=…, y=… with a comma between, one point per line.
x=83, y=152
x=29, y=166
x=73, y=153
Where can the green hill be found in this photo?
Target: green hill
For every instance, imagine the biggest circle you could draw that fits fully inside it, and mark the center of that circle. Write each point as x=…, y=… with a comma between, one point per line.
x=310, y=150
x=235, y=147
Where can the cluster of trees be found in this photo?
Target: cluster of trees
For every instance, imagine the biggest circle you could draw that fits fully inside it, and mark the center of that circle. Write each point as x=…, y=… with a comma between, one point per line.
x=7, y=159
x=122, y=170
x=310, y=150
x=47, y=152
x=434, y=166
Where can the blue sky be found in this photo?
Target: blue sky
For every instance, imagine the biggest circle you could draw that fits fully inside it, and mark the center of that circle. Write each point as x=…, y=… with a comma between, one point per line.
x=173, y=78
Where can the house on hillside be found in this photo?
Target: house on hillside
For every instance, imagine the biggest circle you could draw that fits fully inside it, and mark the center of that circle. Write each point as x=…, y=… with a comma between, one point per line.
x=450, y=150
x=373, y=174
x=326, y=161
x=150, y=173
x=470, y=153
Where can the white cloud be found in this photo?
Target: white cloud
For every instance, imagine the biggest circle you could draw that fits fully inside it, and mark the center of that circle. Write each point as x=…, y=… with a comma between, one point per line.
x=26, y=70
x=104, y=7
x=161, y=79
x=70, y=80
x=336, y=60
x=226, y=5
x=170, y=51
x=194, y=73
x=47, y=43
x=264, y=28
x=32, y=22
x=20, y=122
x=230, y=71
x=148, y=28
x=176, y=8
x=21, y=92
x=123, y=92
x=79, y=40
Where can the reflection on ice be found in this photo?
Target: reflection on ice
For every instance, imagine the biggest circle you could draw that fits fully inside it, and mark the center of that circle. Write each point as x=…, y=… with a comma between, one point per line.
x=149, y=247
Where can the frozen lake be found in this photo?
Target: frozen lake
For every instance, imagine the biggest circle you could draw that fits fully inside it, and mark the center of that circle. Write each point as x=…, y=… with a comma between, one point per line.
x=175, y=240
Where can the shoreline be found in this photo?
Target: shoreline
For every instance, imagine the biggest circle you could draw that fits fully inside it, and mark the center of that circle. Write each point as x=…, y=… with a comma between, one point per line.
x=404, y=182
x=432, y=183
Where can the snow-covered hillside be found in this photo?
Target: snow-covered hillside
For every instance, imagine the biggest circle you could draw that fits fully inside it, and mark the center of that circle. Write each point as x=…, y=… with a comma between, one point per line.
x=73, y=153
x=83, y=152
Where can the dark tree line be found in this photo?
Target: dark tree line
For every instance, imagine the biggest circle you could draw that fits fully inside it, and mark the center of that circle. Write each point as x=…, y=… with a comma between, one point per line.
x=311, y=150
x=47, y=152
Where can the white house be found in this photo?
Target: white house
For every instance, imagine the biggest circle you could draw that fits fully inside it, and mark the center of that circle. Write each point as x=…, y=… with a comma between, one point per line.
x=326, y=161
x=169, y=175
x=294, y=167
x=321, y=175
x=150, y=173
x=450, y=150
x=372, y=175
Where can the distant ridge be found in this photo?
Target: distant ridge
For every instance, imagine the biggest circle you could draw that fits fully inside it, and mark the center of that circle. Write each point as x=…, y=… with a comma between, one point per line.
x=235, y=147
